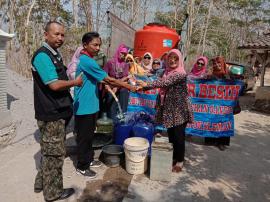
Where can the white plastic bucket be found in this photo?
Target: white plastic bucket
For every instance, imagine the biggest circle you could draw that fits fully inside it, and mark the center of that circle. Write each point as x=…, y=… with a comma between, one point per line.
x=136, y=149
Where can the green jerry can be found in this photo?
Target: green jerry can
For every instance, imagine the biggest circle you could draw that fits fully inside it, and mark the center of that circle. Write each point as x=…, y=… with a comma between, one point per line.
x=237, y=70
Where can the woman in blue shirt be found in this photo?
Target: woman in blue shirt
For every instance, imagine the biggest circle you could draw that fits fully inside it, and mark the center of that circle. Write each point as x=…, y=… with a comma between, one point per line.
x=86, y=101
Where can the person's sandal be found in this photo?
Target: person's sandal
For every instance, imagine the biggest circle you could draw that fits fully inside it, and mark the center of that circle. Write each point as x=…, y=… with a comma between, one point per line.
x=177, y=167
x=221, y=147
x=37, y=190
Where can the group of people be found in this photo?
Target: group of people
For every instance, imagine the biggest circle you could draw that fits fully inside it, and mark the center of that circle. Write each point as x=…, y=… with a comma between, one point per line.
x=219, y=71
x=54, y=105
x=123, y=66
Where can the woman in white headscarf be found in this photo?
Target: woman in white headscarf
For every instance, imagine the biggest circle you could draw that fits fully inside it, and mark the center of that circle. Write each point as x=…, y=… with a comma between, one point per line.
x=147, y=61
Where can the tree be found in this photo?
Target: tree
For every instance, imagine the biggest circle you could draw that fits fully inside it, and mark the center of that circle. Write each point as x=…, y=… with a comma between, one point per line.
x=175, y=17
x=27, y=20
x=207, y=24
x=214, y=27
x=86, y=6
x=75, y=12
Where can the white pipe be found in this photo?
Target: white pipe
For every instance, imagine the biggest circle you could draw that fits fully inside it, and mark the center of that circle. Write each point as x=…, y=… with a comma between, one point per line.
x=113, y=94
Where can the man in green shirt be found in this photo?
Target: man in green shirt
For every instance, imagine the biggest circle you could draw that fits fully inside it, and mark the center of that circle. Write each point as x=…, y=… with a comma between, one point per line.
x=53, y=110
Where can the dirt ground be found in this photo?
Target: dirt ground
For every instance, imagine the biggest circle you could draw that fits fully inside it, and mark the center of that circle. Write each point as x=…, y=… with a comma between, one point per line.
x=239, y=174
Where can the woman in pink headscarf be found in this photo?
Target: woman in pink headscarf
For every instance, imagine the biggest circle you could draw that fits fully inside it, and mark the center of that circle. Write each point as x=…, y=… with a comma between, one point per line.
x=72, y=66
x=119, y=69
x=199, y=70
x=173, y=105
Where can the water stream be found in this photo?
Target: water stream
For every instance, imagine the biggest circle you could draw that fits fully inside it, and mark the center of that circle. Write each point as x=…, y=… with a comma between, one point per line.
x=120, y=115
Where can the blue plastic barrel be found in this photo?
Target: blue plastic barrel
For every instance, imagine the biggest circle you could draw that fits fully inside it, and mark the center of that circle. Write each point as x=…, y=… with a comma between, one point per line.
x=122, y=131
x=144, y=130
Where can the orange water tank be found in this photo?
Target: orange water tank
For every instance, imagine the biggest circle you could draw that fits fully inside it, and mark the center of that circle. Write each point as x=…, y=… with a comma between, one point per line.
x=156, y=39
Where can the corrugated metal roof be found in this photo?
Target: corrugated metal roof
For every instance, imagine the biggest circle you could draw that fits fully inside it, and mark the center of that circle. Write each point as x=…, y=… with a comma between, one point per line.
x=262, y=42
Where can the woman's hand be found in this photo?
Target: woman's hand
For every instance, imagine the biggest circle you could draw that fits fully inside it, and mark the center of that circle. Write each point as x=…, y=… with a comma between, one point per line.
x=78, y=80
x=124, y=79
x=139, y=88
x=141, y=83
x=133, y=88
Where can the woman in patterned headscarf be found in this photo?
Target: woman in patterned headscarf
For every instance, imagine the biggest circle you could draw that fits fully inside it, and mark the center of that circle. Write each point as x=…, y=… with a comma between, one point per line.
x=219, y=72
x=134, y=67
x=173, y=105
x=219, y=68
x=119, y=69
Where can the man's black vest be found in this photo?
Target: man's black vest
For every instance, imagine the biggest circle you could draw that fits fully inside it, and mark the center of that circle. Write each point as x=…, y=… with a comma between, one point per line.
x=51, y=105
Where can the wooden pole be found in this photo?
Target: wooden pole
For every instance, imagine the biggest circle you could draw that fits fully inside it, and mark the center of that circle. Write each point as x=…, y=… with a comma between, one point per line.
x=264, y=63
